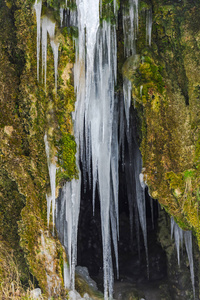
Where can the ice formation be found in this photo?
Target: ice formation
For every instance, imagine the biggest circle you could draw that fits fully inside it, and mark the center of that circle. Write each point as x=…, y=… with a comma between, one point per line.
x=186, y=236
x=38, y=10
x=130, y=26
x=48, y=27
x=94, y=124
x=148, y=26
x=52, y=175
x=97, y=118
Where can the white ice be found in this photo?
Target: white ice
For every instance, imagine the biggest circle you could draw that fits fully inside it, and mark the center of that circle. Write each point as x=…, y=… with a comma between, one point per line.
x=179, y=236
x=38, y=10
x=149, y=26
x=52, y=175
x=130, y=27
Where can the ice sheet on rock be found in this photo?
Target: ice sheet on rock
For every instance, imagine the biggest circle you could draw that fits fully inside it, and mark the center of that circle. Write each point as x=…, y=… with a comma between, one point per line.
x=38, y=10
x=66, y=276
x=83, y=271
x=52, y=175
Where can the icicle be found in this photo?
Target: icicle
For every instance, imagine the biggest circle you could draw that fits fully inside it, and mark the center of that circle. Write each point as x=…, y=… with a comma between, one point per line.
x=38, y=10
x=71, y=198
x=130, y=26
x=61, y=15
x=47, y=26
x=127, y=89
x=140, y=197
x=141, y=89
x=55, y=46
x=148, y=26
x=52, y=175
x=94, y=125
x=179, y=234
x=152, y=212
x=188, y=245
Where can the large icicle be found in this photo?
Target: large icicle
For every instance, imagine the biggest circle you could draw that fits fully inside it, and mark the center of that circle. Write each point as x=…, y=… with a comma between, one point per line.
x=179, y=235
x=38, y=10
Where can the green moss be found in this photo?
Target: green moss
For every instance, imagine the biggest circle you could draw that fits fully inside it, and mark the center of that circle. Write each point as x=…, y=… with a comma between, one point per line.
x=66, y=157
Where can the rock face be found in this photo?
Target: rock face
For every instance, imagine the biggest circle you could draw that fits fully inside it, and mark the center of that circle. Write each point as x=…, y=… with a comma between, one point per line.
x=165, y=88
x=165, y=81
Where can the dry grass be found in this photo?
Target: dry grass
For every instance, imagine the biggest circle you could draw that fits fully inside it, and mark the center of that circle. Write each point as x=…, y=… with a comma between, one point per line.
x=11, y=287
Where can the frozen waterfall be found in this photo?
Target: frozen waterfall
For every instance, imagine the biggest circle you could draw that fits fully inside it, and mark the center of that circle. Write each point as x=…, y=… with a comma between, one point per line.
x=95, y=126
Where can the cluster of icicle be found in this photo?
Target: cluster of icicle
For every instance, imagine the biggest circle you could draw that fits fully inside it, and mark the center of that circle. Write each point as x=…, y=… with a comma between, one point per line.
x=186, y=236
x=48, y=27
x=130, y=21
x=96, y=122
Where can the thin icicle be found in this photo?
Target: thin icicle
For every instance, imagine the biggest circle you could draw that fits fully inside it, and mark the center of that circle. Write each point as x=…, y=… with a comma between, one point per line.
x=127, y=89
x=55, y=46
x=179, y=235
x=130, y=27
x=71, y=197
x=140, y=197
x=188, y=245
x=52, y=175
x=148, y=26
x=38, y=10
x=61, y=15
x=47, y=27
x=152, y=212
